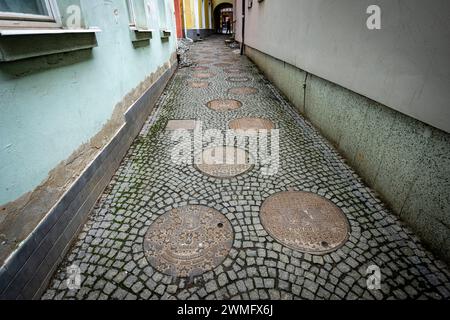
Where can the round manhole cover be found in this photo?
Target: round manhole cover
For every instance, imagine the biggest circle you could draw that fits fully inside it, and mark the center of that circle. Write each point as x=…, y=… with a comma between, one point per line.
x=204, y=61
x=224, y=104
x=243, y=90
x=198, y=84
x=222, y=65
x=203, y=75
x=233, y=70
x=251, y=123
x=238, y=79
x=188, y=241
x=304, y=221
x=200, y=68
x=224, y=162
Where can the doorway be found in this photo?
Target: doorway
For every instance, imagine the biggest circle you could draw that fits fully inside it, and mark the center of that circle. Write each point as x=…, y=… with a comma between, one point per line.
x=223, y=19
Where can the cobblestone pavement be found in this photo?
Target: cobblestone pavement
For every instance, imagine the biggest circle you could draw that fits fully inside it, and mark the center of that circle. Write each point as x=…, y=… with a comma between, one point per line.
x=110, y=249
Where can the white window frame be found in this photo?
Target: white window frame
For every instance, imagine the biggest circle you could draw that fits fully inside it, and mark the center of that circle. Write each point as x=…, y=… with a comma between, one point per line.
x=163, y=23
x=131, y=13
x=133, y=17
x=24, y=20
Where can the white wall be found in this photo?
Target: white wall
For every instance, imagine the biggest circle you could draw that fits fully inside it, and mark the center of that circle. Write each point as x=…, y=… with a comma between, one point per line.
x=405, y=65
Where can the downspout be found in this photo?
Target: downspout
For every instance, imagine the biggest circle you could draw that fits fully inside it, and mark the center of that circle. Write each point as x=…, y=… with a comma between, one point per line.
x=210, y=14
x=185, y=25
x=243, y=28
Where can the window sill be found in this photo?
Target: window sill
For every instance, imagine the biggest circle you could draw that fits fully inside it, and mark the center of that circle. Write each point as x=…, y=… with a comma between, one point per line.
x=165, y=34
x=18, y=44
x=138, y=34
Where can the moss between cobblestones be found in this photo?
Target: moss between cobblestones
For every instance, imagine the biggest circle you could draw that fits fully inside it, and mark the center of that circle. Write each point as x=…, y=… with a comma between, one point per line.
x=147, y=185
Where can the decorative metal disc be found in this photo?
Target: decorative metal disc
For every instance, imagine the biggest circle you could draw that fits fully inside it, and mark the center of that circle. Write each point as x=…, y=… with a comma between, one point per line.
x=200, y=68
x=223, y=65
x=198, y=84
x=204, y=61
x=238, y=79
x=304, y=221
x=243, y=90
x=224, y=162
x=224, y=104
x=188, y=241
x=203, y=75
x=233, y=70
x=251, y=123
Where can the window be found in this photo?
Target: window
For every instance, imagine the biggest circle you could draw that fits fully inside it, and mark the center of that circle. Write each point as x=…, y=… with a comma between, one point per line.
x=137, y=14
x=22, y=21
x=162, y=14
x=29, y=13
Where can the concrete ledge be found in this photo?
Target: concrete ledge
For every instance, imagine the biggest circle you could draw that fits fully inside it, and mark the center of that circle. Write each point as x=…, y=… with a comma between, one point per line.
x=405, y=160
x=27, y=272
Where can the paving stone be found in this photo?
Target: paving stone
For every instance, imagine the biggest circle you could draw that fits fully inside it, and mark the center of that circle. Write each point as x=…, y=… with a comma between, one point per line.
x=222, y=279
x=211, y=286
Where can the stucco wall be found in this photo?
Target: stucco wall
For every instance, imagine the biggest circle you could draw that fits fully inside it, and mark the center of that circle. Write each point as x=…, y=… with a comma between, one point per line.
x=405, y=160
x=52, y=105
x=404, y=66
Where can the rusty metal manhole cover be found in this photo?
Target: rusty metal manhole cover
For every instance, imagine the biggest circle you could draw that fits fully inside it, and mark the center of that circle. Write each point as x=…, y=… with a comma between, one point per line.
x=243, y=90
x=224, y=162
x=198, y=84
x=204, y=61
x=200, y=68
x=238, y=79
x=203, y=75
x=188, y=241
x=233, y=70
x=223, y=64
x=304, y=221
x=251, y=123
x=224, y=104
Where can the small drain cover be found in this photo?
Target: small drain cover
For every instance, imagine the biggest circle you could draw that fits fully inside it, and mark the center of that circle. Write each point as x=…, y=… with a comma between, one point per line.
x=224, y=104
x=198, y=84
x=304, y=221
x=188, y=241
x=243, y=90
x=203, y=75
x=251, y=123
x=181, y=124
x=224, y=162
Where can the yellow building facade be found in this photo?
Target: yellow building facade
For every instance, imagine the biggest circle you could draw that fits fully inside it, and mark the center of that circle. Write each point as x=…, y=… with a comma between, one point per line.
x=202, y=17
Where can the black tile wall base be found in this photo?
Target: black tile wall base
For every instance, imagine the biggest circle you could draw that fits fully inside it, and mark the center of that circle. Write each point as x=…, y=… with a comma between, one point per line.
x=26, y=273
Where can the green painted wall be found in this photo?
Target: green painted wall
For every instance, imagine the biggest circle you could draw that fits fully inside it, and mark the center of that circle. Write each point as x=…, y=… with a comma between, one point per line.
x=51, y=105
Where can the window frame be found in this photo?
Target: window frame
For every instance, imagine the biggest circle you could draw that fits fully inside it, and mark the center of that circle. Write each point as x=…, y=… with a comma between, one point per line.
x=138, y=22
x=131, y=14
x=162, y=15
x=26, y=20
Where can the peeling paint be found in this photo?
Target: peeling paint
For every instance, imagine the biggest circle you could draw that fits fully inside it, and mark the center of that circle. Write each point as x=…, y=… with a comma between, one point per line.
x=18, y=218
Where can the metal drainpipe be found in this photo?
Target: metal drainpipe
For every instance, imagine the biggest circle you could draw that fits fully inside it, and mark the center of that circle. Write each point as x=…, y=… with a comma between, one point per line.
x=243, y=27
x=185, y=24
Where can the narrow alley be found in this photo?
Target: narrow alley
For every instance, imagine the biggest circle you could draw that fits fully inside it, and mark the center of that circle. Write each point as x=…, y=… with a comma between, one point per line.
x=163, y=230
x=219, y=150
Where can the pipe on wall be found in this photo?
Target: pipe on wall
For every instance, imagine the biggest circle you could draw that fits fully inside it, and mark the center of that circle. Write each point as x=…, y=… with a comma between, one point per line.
x=243, y=27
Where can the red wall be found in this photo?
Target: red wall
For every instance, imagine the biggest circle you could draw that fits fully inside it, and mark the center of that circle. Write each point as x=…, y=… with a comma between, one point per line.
x=178, y=19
